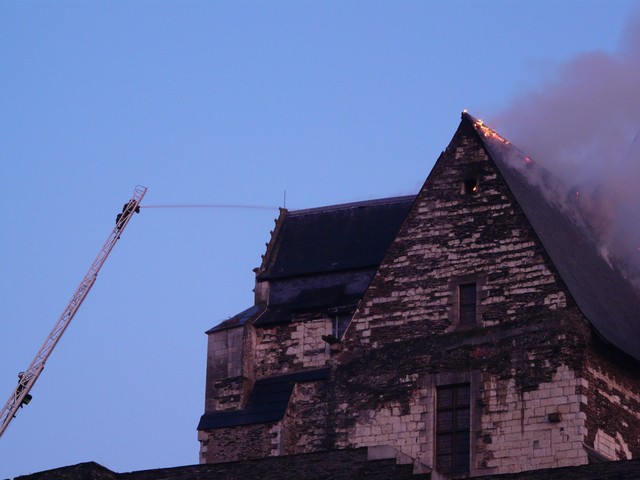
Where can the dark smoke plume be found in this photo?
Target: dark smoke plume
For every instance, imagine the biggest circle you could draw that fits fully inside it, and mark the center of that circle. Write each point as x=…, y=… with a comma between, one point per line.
x=583, y=125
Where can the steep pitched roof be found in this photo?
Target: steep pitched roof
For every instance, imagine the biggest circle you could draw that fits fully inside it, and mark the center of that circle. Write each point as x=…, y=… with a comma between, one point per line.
x=610, y=303
x=334, y=238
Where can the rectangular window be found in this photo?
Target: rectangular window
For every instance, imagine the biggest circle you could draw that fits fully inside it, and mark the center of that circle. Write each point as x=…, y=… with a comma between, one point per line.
x=453, y=426
x=340, y=324
x=467, y=304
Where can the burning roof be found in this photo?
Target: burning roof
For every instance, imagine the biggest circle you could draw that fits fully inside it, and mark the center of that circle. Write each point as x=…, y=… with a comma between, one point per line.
x=599, y=286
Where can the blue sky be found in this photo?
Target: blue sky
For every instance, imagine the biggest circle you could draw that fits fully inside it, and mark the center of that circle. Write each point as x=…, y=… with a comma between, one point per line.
x=214, y=102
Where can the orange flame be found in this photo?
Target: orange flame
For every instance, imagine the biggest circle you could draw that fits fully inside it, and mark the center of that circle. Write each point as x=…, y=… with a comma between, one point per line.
x=490, y=133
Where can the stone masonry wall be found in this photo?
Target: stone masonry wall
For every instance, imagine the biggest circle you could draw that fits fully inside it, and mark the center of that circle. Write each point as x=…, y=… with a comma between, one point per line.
x=229, y=368
x=224, y=370
x=238, y=443
x=292, y=347
x=523, y=355
x=451, y=238
x=519, y=375
x=302, y=430
x=613, y=409
x=237, y=357
x=304, y=427
x=516, y=426
x=512, y=426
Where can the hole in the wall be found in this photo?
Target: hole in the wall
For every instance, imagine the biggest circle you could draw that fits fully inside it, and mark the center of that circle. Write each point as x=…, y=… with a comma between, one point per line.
x=555, y=417
x=470, y=186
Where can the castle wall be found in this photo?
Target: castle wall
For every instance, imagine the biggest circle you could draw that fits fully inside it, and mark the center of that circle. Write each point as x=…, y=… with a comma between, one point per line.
x=282, y=349
x=539, y=389
x=511, y=427
x=526, y=385
x=541, y=428
x=305, y=424
x=613, y=407
x=228, y=375
x=239, y=443
x=302, y=430
x=451, y=238
x=521, y=354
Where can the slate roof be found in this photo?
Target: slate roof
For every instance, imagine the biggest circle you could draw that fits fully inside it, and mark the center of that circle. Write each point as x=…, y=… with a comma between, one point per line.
x=334, y=238
x=246, y=316
x=334, y=297
x=267, y=403
x=608, y=301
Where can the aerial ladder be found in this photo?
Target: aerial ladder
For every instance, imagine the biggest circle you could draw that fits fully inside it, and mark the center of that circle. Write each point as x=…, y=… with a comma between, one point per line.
x=27, y=379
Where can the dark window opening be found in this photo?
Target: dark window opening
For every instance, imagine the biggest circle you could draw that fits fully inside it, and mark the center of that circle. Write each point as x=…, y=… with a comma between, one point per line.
x=470, y=186
x=453, y=420
x=467, y=304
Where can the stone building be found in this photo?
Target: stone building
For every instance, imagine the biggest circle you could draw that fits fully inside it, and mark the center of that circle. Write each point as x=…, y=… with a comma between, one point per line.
x=473, y=329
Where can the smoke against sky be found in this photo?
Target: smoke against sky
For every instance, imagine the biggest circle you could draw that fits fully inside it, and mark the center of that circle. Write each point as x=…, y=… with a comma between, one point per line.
x=583, y=125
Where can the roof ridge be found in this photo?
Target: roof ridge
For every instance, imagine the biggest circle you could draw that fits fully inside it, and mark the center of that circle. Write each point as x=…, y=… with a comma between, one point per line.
x=358, y=204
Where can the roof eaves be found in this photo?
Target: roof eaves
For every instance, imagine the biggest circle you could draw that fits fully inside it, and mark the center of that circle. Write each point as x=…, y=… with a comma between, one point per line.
x=249, y=315
x=267, y=402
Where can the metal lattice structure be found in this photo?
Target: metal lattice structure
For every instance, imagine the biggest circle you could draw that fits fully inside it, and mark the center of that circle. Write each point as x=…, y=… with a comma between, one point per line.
x=28, y=378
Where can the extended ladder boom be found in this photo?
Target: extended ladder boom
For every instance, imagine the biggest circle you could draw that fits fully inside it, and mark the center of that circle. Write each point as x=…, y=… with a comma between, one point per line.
x=29, y=377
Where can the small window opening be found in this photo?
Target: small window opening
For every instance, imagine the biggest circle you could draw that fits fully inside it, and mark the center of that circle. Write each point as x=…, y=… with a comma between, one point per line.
x=340, y=324
x=470, y=186
x=467, y=304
